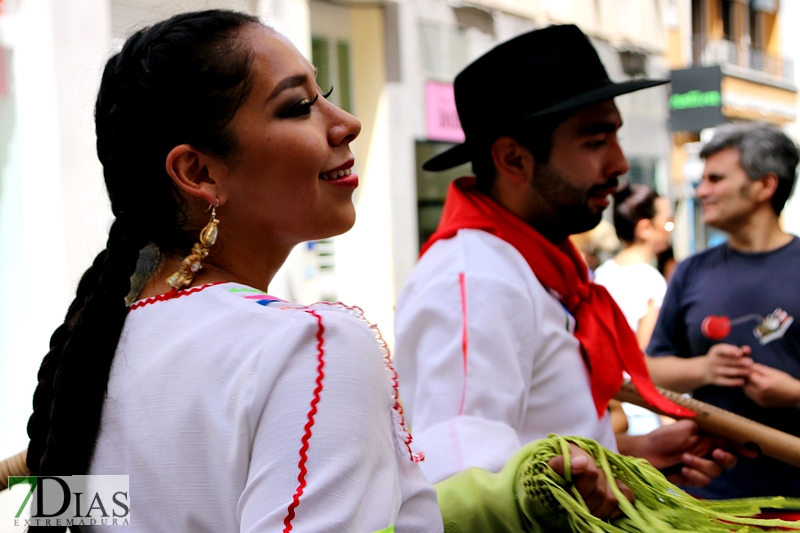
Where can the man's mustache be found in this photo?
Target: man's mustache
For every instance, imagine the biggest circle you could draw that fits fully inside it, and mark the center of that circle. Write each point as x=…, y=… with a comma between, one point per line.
x=613, y=183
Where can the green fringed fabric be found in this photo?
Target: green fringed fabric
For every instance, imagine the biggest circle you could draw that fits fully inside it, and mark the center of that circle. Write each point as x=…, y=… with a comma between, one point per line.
x=529, y=496
x=659, y=505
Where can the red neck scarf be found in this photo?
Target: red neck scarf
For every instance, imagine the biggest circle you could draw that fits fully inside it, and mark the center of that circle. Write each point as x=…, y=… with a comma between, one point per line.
x=608, y=344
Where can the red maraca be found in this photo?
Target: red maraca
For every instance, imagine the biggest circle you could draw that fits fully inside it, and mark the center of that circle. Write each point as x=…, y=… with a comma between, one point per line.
x=716, y=327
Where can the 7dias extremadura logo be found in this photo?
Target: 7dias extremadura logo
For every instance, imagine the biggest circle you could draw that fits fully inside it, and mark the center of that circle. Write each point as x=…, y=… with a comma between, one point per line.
x=69, y=500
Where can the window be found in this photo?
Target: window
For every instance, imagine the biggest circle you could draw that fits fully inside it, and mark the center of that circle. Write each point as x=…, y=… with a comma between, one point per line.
x=320, y=270
x=756, y=30
x=332, y=59
x=699, y=36
x=642, y=170
x=432, y=187
x=444, y=50
x=727, y=20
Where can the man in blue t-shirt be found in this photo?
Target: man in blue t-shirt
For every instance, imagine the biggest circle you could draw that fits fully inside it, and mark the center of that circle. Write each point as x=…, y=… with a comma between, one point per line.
x=728, y=330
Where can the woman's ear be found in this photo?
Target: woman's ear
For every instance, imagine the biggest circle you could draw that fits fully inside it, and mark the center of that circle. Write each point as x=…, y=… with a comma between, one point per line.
x=196, y=173
x=642, y=230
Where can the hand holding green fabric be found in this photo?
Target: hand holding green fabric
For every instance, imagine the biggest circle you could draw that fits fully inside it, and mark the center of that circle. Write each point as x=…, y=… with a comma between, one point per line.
x=529, y=495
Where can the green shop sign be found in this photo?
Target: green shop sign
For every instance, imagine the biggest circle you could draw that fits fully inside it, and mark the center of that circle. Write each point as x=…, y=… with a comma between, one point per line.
x=695, y=99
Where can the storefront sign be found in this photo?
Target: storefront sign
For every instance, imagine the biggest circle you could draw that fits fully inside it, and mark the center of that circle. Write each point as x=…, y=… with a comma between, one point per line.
x=696, y=99
x=440, y=113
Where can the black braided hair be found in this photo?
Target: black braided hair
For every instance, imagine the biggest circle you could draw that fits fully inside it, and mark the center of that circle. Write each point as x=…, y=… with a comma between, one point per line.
x=178, y=81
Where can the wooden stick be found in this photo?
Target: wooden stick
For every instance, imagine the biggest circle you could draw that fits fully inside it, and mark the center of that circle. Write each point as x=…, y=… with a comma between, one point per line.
x=13, y=466
x=742, y=431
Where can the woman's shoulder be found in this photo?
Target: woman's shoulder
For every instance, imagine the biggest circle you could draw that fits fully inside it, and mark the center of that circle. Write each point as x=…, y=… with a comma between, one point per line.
x=248, y=335
x=243, y=314
x=612, y=273
x=228, y=297
x=642, y=269
x=332, y=313
x=606, y=268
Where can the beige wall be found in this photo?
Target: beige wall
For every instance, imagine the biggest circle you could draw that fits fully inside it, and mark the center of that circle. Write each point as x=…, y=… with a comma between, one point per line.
x=772, y=33
x=753, y=101
x=364, y=266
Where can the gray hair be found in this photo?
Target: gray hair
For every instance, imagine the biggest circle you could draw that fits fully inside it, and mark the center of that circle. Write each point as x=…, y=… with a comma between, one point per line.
x=763, y=148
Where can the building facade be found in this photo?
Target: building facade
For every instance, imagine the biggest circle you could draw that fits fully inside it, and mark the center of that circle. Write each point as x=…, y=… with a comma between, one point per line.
x=729, y=63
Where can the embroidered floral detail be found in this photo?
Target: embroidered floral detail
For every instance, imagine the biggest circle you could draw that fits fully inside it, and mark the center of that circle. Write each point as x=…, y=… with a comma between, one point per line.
x=260, y=297
x=246, y=289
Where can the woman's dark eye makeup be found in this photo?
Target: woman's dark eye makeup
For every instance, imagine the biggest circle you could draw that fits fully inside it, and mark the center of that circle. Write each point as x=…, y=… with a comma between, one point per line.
x=303, y=107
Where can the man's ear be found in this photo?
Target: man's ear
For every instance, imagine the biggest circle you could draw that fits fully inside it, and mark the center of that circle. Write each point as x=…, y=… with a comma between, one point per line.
x=769, y=184
x=196, y=173
x=512, y=159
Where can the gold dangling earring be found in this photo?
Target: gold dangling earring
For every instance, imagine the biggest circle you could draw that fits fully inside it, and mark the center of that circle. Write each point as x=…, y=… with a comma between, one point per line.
x=192, y=264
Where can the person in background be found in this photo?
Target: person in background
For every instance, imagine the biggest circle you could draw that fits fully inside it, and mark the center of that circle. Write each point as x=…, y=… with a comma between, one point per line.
x=728, y=329
x=643, y=222
x=596, y=245
x=667, y=263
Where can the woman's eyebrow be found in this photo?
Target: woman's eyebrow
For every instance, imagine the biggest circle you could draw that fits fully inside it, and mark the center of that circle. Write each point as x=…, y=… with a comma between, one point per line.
x=288, y=83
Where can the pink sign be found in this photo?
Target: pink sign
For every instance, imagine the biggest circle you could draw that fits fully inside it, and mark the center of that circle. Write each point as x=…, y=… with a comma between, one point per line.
x=440, y=113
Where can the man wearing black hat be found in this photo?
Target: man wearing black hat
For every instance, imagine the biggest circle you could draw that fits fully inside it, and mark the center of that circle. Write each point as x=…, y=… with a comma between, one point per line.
x=501, y=338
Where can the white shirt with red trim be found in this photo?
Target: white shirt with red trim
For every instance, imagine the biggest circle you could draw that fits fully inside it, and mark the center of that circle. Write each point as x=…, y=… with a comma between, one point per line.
x=233, y=411
x=487, y=358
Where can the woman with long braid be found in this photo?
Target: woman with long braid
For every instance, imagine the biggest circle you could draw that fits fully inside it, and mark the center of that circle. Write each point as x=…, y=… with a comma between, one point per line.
x=221, y=404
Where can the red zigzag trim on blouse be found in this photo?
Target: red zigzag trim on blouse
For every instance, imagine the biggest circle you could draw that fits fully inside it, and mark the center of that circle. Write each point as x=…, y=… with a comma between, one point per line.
x=301, y=477
x=387, y=359
x=171, y=295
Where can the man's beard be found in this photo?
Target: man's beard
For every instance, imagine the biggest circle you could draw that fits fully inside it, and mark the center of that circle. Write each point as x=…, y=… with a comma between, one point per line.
x=572, y=209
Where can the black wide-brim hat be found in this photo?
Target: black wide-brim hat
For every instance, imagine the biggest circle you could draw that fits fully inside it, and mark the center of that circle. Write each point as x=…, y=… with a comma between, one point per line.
x=531, y=76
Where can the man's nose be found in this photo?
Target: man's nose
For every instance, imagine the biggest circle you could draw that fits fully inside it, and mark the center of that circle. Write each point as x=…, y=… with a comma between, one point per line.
x=702, y=189
x=619, y=163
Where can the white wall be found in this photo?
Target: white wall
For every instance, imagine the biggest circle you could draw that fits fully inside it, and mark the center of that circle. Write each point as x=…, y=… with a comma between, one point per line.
x=33, y=248
x=790, y=37
x=364, y=254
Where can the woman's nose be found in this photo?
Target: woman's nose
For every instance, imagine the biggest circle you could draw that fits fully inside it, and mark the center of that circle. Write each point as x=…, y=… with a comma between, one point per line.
x=343, y=128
